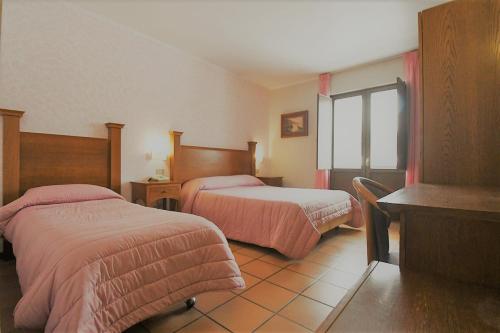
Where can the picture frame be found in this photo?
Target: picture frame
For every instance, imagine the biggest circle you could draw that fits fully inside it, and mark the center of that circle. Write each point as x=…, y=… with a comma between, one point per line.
x=295, y=124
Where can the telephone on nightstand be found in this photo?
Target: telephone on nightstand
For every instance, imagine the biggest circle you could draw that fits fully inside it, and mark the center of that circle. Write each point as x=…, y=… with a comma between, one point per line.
x=158, y=178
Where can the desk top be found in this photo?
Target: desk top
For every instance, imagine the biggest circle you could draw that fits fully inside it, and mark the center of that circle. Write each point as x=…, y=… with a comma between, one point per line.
x=457, y=198
x=389, y=300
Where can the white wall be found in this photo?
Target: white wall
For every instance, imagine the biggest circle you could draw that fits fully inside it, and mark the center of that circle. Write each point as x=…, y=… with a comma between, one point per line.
x=72, y=71
x=366, y=76
x=295, y=158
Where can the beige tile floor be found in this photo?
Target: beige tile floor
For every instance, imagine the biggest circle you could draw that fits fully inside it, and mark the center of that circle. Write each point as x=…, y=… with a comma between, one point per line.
x=282, y=295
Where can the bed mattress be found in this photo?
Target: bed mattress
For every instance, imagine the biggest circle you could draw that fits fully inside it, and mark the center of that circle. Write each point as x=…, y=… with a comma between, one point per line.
x=286, y=219
x=89, y=261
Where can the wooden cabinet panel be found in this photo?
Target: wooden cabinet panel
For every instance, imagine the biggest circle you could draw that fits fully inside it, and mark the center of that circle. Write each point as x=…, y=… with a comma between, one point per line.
x=460, y=57
x=453, y=231
x=464, y=248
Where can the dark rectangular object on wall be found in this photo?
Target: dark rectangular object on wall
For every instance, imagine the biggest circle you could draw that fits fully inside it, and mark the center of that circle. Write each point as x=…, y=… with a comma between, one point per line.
x=460, y=58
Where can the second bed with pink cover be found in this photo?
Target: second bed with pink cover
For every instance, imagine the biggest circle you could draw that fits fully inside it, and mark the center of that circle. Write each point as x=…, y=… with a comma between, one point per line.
x=88, y=261
x=286, y=219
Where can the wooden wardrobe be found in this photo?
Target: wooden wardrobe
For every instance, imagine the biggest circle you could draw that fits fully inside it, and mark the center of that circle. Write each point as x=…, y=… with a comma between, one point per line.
x=460, y=63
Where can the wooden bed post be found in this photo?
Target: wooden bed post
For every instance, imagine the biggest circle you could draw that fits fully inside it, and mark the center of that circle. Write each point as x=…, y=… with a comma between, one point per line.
x=115, y=144
x=252, y=145
x=175, y=141
x=11, y=154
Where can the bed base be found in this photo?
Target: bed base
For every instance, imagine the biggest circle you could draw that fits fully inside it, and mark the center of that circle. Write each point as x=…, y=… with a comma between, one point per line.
x=334, y=223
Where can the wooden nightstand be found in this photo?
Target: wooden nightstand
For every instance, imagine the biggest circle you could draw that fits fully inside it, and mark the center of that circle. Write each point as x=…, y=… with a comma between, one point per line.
x=272, y=181
x=150, y=192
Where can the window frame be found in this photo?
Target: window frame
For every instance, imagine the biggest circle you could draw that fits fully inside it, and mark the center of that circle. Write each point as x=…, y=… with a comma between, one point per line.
x=365, y=127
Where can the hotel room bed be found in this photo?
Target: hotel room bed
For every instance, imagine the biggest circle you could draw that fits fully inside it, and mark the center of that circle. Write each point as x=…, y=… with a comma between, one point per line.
x=89, y=261
x=290, y=220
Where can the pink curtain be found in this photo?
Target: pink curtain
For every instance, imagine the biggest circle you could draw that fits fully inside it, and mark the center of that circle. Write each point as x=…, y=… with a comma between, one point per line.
x=324, y=84
x=322, y=177
x=412, y=73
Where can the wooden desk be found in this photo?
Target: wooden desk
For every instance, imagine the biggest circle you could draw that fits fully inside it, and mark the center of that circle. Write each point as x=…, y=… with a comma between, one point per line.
x=453, y=231
x=389, y=300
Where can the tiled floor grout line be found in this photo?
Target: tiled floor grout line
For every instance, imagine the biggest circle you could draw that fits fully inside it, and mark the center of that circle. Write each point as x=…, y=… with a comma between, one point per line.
x=241, y=295
x=297, y=294
x=237, y=295
x=218, y=306
x=312, y=299
x=295, y=322
x=265, y=321
x=201, y=317
x=315, y=279
x=253, y=258
x=305, y=259
x=220, y=324
x=277, y=313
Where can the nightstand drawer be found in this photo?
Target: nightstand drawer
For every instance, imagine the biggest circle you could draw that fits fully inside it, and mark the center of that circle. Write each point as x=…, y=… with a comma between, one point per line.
x=149, y=193
x=170, y=191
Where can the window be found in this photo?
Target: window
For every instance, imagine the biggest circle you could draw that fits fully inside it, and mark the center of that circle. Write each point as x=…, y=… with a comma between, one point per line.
x=384, y=129
x=367, y=129
x=325, y=144
x=347, y=133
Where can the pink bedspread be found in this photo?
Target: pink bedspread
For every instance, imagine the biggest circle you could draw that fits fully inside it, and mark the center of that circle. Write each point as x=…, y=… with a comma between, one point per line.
x=286, y=219
x=89, y=261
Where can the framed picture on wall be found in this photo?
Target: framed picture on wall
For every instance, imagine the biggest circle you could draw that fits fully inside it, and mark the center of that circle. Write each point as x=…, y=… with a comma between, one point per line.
x=294, y=124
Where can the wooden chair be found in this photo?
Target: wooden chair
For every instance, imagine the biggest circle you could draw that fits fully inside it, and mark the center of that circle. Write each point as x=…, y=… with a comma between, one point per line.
x=376, y=220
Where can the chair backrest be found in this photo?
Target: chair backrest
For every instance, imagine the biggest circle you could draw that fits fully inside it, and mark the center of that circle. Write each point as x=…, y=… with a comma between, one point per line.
x=369, y=191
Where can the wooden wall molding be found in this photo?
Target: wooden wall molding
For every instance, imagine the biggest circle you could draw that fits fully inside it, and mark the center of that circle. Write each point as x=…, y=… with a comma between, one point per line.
x=115, y=157
x=175, y=141
x=11, y=154
x=189, y=162
x=252, y=146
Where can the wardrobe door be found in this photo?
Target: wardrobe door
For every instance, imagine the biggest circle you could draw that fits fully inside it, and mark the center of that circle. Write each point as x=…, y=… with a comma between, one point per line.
x=460, y=57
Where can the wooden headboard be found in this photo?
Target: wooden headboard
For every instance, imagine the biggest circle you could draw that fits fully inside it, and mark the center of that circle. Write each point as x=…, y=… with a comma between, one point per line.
x=36, y=159
x=189, y=162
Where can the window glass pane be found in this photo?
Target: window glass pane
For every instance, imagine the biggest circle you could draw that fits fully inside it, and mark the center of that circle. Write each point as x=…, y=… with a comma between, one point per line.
x=384, y=130
x=324, y=132
x=347, y=132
